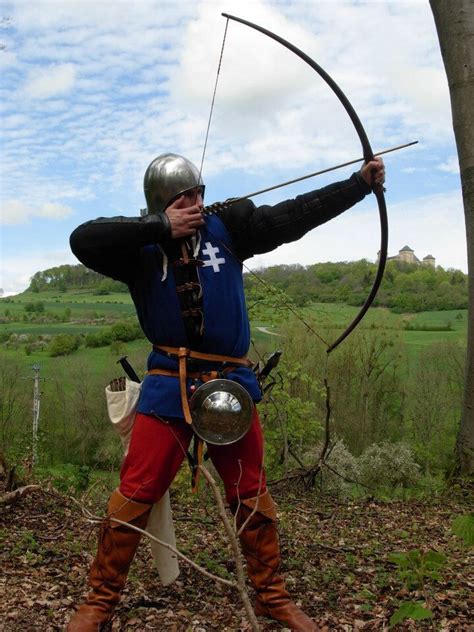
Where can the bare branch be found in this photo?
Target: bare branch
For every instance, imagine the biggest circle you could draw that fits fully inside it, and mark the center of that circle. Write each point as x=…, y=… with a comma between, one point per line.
x=12, y=497
x=235, y=549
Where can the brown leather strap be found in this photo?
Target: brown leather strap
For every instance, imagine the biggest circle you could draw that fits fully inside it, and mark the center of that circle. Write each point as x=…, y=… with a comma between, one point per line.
x=209, y=357
x=182, y=354
x=263, y=503
x=188, y=287
x=204, y=376
x=182, y=385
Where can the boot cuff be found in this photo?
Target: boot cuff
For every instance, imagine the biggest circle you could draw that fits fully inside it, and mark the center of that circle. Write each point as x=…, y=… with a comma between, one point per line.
x=264, y=504
x=124, y=508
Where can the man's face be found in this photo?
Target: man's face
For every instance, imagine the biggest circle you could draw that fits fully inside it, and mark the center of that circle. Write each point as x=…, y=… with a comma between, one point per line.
x=193, y=197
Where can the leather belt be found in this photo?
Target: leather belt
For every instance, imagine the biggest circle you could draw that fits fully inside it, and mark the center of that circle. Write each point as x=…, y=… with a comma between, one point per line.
x=182, y=354
x=177, y=352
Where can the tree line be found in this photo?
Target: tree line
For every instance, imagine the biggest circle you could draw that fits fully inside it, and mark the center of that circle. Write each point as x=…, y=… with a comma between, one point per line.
x=405, y=287
x=73, y=277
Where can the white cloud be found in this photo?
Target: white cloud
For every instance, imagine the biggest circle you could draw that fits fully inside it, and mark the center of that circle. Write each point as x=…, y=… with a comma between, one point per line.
x=14, y=212
x=50, y=82
x=54, y=17
x=271, y=108
x=20, y=212
x=429, y=225
x=451, y=165
x=54, y=211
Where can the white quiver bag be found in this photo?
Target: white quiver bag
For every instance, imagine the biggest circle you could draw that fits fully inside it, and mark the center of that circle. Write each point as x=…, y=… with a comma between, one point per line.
x=121, y=406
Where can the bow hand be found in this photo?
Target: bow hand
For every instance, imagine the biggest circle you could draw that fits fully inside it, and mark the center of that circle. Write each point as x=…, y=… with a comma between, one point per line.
x=373, y=173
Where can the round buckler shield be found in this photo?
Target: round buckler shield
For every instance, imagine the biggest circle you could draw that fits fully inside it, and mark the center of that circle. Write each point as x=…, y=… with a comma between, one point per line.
x=222, y=411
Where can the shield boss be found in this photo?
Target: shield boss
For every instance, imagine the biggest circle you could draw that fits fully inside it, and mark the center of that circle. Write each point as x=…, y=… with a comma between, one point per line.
x=222, y=411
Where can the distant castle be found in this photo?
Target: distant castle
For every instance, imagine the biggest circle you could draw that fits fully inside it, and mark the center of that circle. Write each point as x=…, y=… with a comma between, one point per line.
x=407, y=255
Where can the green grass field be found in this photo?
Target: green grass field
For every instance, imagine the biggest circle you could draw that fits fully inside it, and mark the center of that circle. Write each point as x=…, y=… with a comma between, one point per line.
x=100, y=360
x=85, y=312
x=334, y=318
x=41, y=329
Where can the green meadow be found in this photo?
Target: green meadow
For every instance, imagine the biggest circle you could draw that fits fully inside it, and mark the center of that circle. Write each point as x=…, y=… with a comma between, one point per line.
x=418, y=330
x=82, y=312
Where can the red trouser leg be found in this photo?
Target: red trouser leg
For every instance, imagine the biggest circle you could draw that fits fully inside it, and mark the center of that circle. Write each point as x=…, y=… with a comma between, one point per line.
x=240, y=464
x=157, y=449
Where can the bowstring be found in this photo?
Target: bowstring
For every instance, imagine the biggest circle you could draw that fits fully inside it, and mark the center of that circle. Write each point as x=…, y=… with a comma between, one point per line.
x=186, y=244
x=267, y=285
x=275, y=292
x=213, y=100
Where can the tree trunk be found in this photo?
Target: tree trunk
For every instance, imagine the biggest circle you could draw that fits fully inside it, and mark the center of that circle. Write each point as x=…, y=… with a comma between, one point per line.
x=455, y=25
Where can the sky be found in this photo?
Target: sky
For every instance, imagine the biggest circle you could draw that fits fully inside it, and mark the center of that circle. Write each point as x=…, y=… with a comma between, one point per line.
x=92, y=91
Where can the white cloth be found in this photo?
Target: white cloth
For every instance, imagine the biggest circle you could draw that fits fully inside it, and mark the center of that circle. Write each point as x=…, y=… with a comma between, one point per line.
x=121, y=406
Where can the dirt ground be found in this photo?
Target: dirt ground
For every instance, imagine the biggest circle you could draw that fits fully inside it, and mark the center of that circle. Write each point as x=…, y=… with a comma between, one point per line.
x=336, y=560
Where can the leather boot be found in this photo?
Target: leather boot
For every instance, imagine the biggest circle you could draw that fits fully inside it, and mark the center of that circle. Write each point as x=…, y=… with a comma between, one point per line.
x=260, y=546
x=108, y=574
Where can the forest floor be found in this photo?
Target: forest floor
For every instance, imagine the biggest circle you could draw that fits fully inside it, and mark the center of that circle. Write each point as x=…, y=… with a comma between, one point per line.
x=335, y=557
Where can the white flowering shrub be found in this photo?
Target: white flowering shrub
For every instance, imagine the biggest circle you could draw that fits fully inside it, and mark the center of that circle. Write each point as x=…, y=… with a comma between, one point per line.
x=336, y=477
x=388, y=465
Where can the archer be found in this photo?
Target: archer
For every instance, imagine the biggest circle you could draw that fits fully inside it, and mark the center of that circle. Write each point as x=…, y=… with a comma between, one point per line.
x=184, y=273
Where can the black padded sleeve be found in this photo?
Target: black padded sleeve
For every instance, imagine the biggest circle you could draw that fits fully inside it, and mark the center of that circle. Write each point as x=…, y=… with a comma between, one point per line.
x=111, y=245
x=256, y=230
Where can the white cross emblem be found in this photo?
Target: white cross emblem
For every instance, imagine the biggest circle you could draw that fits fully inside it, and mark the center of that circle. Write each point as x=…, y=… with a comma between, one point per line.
x=213, y=260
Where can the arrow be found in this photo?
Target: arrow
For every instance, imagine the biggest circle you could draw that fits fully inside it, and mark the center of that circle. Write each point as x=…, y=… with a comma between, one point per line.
x=309, y=175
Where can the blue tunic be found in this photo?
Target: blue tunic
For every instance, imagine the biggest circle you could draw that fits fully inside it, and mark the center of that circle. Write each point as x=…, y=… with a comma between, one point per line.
x=226, y=324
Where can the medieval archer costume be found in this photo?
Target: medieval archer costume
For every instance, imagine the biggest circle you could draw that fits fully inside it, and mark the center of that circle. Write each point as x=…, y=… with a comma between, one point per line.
x=190, y=302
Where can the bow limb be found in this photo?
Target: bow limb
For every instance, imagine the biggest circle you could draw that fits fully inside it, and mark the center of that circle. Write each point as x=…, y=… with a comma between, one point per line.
x=368, y=156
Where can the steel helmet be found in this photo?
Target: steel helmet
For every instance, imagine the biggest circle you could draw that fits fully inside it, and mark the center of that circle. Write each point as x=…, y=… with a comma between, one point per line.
x=166, y=177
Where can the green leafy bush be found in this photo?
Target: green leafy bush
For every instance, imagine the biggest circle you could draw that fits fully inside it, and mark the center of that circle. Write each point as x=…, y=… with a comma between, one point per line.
x=340, y=468
x=70, y=476
x=126, y=332
x=63, y=344
x=410, y=610
x=120, y=332
x=34, y=307
x=98, y=339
